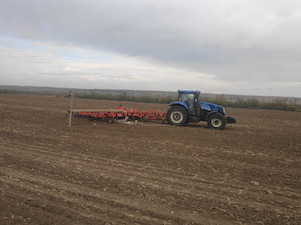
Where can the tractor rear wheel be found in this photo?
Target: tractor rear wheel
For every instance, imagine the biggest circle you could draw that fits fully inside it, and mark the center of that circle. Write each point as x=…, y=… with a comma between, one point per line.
x=177, y=115
x=217, y=121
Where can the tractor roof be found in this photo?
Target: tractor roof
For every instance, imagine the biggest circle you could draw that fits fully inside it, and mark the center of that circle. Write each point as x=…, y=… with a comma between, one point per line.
x=187, y=92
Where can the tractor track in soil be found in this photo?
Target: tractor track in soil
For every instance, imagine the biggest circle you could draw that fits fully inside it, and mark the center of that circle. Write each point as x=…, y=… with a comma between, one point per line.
x=145, y=173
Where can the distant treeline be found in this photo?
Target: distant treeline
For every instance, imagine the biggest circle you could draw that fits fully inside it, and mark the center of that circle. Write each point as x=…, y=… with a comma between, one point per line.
x=125, y=97
x=279, y=104
x=11, y=91
x=253, y=102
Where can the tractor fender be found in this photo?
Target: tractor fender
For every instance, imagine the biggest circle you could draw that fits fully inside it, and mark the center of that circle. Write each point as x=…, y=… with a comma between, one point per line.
x=179, y=103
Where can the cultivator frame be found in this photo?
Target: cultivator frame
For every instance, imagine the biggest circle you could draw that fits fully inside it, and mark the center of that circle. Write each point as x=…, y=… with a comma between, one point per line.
x=120, y=113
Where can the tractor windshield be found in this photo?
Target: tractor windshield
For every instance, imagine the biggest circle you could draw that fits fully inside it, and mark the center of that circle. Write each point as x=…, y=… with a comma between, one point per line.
x=184, y=97
x=188, y=99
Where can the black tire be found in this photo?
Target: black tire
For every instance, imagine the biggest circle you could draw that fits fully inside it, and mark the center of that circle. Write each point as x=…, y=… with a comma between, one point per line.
x=177, y=116
x=217, y=121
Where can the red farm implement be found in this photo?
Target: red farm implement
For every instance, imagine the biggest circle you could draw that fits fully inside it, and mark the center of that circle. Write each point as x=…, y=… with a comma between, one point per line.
x=120, y=113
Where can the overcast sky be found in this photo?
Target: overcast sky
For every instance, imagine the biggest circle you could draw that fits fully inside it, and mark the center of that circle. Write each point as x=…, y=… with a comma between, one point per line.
x=250, y=47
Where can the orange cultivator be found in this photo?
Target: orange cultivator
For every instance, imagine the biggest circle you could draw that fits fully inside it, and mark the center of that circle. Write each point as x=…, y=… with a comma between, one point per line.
x=120, y=113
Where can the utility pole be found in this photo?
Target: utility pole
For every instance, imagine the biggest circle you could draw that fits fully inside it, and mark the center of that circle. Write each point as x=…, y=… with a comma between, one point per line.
x=71, y=108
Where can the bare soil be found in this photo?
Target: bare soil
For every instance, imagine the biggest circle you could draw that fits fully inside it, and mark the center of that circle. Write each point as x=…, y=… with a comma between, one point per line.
x=145, y=172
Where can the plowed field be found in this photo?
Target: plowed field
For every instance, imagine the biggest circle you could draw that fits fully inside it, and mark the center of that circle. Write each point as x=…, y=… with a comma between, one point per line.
x=145, y=172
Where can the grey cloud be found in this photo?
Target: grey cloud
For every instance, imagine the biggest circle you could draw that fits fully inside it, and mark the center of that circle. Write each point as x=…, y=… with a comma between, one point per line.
x=234, y=40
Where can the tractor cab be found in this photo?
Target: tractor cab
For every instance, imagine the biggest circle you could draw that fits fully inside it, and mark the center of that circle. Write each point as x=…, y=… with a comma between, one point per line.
x=192, y=101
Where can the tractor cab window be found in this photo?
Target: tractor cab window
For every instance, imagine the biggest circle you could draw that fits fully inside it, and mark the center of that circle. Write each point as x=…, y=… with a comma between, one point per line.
x=188, y=99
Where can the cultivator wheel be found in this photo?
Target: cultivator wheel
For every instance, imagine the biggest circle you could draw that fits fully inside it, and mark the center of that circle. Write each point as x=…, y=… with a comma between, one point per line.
x=111, y=120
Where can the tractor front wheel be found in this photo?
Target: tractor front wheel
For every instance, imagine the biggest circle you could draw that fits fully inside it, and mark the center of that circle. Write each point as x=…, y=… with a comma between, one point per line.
x=177, y=115
x=217, y=121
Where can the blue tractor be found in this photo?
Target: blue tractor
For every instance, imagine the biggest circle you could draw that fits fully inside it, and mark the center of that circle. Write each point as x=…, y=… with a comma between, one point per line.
x=189, y=108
